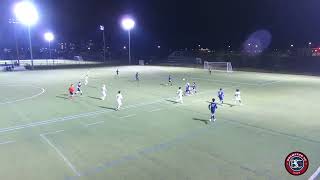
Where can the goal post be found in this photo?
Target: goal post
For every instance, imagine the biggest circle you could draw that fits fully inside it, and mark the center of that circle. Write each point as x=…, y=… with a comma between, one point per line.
x=218, y=66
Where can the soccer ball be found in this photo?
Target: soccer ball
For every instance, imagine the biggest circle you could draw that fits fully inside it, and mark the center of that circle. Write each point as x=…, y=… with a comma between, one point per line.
x=183, y=79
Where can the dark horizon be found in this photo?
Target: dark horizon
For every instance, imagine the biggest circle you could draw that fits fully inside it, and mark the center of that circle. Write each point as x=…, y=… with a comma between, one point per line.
x=171, y=24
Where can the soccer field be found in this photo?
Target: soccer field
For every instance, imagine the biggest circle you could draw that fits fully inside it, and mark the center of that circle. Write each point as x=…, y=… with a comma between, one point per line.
x=44, y=135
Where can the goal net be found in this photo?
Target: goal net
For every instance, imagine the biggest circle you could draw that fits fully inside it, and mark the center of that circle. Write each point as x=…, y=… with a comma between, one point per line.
x=218, y=66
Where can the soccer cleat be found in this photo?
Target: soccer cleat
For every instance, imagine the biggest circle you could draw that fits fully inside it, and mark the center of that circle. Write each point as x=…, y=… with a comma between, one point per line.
x=214, y=120
x=209, y=120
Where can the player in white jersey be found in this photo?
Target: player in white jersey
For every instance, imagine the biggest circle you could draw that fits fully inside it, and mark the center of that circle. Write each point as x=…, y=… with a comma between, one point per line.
x=79, y=88
x=179, y=93
x=119, y=100
x=237, y=96
x=86, y=80
x=103, y=92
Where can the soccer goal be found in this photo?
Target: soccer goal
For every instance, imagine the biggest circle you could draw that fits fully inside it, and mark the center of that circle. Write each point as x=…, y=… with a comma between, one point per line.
x=218, y=66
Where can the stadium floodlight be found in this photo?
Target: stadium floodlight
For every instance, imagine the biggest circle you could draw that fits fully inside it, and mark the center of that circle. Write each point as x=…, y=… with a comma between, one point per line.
x=128, y=24
x=159, y=46
x=48, y=36
x=27, y=14
x=291, y=45
x=104, y=42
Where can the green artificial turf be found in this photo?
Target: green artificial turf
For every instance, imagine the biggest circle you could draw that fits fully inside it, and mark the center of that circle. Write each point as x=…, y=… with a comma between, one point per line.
x=44, y=135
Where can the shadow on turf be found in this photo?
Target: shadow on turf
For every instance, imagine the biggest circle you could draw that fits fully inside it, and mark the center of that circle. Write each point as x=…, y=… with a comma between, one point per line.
x=202, y=120
x=62, y=97
x=231, y=105
x=107, y=108
x=94, y=97
x=172, y=101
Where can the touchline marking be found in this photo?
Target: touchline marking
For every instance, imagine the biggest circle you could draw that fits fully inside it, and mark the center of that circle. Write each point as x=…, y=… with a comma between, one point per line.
x=27, y=98
x=60, y=154
x=99, y=122
x=315, y=174
x=131, y=115
x=7, y=142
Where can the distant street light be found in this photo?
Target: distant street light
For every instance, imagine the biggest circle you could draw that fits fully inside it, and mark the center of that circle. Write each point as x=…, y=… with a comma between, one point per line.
x=159, y=46
x=104, y=42
x=48, y=36
x=291, y=45
x=27, y=14
x=128, y=24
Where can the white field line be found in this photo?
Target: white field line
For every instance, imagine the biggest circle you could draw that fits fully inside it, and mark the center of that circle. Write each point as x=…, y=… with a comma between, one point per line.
x=55, y=132
x=130, y=115
x=91, y=124
x=7, y=142
x=315, y=174
x=233, y=82
x=43, y=136
x=268, y=83
x=81, y=115
x=27, y=98
x=72, y=117
x=155, y=110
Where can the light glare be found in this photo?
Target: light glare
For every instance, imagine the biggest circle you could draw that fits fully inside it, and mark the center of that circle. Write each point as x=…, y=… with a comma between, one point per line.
x=49, y=36
x=26, y=13
x=128, y=24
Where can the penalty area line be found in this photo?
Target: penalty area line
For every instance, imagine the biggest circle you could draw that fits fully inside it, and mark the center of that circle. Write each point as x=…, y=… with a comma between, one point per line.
x=91, y=124
x=155, y=110
x=131, y=115
x=69, y=164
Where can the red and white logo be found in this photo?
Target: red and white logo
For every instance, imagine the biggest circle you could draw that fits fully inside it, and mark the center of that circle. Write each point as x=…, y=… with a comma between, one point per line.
x=296, y=163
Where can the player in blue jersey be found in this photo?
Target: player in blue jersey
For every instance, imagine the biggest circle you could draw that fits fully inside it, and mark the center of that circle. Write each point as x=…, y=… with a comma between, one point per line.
x=170, y=80
x=79, y=88
x=194, y=87
x=212, y=107
x=188, y=89
x=221, y=95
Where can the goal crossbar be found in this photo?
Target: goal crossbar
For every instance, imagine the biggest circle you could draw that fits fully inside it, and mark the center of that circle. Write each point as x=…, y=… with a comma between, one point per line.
x=218, y=66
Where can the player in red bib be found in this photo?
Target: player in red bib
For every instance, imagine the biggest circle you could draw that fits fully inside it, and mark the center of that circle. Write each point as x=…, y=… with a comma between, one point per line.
x=71, y=91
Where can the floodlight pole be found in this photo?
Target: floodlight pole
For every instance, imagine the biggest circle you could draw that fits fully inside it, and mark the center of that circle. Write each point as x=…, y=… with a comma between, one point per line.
x=30, y=46
x=14, y=22
x=104, y=46
x=50, y=50
x=129, y=47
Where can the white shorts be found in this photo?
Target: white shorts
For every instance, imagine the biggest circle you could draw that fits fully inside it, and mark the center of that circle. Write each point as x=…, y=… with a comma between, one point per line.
x=119, y=103
x=238, y=98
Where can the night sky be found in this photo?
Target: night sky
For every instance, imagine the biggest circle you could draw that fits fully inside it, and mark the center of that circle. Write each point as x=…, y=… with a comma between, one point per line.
x=172, y=24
